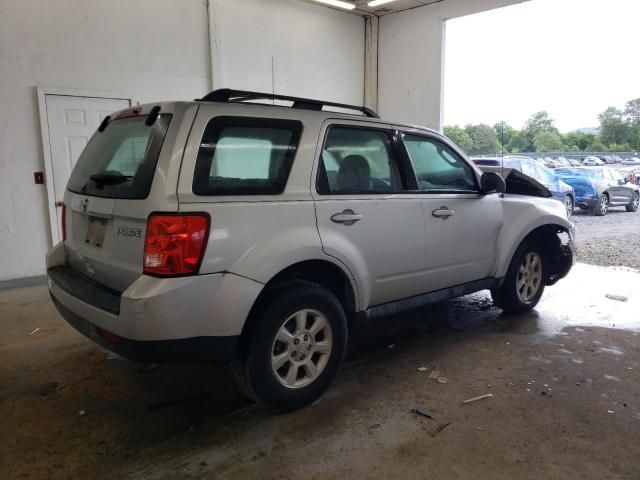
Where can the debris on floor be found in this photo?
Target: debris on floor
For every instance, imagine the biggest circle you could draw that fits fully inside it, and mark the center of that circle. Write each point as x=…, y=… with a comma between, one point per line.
x=618, y=298
x=421, y=414
x=35, y=331
x=442, y=380
x=422, y=369
x=82, y=413
x=481, y=397
x=439, y=429
x=391, y=345
x=434, y=374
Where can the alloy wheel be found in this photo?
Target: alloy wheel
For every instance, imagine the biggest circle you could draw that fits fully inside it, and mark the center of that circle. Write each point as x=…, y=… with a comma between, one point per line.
x=568, y=204
x=635, y=202
x=604, y=204
x=529, y=277
x=302, y=348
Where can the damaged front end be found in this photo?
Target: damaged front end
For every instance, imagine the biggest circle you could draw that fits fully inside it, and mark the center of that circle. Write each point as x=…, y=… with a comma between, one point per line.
x=561, y=254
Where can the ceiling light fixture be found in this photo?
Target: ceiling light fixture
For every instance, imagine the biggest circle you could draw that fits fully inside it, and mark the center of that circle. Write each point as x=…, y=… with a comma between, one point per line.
x=375, y=3
x=338, y=3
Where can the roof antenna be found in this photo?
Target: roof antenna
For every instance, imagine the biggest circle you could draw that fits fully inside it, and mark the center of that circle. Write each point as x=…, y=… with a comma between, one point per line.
x=502, y=151
x=273, y=82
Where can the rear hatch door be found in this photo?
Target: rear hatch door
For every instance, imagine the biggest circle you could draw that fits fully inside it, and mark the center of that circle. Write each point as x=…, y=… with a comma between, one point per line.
x=108, y=197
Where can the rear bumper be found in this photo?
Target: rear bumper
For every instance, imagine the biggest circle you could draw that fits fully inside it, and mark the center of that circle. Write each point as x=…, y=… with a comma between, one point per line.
x=187, y=318
x=586, y=202
x=212, y=349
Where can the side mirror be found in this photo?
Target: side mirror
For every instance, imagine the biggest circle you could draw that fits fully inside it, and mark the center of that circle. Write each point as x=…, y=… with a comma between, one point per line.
x=491, y=182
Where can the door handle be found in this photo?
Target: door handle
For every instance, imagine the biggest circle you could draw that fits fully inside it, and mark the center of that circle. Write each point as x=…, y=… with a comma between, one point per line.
x=346, y=217
x=442, y=212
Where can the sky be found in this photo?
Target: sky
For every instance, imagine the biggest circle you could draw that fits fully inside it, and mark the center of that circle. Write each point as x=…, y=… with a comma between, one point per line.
x=572, y=58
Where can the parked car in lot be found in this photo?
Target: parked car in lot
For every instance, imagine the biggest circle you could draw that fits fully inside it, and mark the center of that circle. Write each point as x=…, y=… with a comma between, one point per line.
x=486, y=162
x=259, y=234
x=559, y=189
x=631, y=161
x=598, y=188
x=574, y=163
x=617, y=159
x=592, y=161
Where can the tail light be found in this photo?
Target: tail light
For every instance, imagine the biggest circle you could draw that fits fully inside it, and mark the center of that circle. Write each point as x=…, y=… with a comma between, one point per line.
x=174, y=244
x=63, y=222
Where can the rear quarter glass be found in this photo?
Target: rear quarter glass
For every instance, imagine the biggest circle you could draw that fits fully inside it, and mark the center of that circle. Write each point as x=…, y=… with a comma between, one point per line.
x=120, y=161
x=245, y=156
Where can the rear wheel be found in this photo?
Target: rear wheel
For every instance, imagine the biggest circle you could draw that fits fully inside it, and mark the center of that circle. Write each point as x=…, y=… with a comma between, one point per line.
x=524, y=283
x=296, y=348
x=602, y=207
x=568, y=205
x=635, y=201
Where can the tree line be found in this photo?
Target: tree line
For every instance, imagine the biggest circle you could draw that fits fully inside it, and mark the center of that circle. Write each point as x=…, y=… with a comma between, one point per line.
x=619, y=131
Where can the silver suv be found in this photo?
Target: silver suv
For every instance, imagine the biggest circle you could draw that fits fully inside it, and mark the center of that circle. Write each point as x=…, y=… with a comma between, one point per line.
x=225, y=229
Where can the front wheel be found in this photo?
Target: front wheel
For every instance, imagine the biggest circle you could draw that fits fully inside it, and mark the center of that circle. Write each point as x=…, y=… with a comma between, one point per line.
x=296, y=348
x=524, y=283
x=602, y=207
x=635, y=201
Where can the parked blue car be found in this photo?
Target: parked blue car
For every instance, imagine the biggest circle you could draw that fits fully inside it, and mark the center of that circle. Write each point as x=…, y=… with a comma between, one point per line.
x=559, y=189
x=598, y=188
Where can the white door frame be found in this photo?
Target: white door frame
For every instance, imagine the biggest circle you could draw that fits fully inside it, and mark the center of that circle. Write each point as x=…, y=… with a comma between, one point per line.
x=41, y=92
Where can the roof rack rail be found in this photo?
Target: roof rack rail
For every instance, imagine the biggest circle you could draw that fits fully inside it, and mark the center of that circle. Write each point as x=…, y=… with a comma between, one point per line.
x=229, y=95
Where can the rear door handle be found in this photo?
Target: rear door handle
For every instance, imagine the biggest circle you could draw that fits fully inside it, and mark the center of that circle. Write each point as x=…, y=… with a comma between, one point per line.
x=346, y=217
x=443, y=212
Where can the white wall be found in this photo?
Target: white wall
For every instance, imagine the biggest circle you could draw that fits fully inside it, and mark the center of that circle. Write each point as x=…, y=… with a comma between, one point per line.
x=156, y=50
x=316, y=51
x=411, y=59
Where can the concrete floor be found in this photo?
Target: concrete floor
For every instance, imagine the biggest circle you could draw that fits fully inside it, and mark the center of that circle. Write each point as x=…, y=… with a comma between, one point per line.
x=564, y=378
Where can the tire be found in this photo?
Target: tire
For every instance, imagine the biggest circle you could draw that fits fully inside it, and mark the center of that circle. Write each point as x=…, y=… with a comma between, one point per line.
x=520, y=291
x=569, y=205
x=306, y=361
x=602, y=207
x=635, y=201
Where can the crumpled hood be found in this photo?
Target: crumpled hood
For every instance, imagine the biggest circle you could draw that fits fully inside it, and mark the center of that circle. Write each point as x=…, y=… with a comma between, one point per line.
x=519, y=183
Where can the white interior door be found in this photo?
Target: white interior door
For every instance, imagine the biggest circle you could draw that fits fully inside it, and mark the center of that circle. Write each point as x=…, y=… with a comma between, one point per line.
x=71, y=122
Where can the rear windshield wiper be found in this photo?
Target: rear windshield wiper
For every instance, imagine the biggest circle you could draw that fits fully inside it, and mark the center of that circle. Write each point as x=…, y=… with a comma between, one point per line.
x=110, y=177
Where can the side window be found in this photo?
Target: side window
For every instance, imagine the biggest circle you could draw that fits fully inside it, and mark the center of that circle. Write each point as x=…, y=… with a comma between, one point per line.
x=438, y=167
x=528, y=168
x=616, y=175
x=245, y=156
x=546, y=175
x=358, y=160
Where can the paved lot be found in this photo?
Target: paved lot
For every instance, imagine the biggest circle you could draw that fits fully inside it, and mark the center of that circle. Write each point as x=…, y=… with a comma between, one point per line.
x=564, y=379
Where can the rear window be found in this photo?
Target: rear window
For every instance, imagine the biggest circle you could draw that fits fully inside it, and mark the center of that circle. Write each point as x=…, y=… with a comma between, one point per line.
x=245, y=156
x=120, y=161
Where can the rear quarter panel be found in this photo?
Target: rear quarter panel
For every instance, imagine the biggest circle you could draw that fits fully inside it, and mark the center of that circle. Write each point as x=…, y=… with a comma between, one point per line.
x=258, y=236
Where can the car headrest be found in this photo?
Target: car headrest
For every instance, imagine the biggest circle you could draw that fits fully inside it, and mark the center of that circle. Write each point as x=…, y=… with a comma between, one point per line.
x=354, y=174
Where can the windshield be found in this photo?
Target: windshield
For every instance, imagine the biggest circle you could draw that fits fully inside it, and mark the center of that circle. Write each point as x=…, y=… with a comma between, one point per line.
x=120, y=161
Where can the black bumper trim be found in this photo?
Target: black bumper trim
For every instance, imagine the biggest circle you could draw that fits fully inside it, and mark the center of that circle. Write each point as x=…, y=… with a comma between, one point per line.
x=205, y=349
x=86, y=289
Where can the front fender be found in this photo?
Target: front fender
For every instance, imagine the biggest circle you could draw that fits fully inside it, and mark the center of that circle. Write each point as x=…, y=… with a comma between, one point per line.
x=522, y=216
